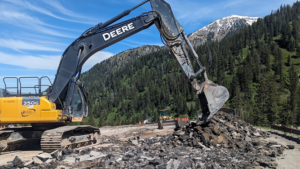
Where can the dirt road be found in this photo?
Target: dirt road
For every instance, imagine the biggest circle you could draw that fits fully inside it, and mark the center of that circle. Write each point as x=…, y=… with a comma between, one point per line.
x=291, y=157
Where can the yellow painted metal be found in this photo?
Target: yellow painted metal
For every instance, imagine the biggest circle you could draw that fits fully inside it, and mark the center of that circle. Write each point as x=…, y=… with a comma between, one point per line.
x=164, y=114
x=12, y=111
x=77, y=119
x=0, y=109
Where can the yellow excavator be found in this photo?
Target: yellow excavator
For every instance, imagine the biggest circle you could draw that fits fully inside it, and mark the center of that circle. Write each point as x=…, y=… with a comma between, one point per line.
x=65, y=100
x=165, y=119
x=164, y=115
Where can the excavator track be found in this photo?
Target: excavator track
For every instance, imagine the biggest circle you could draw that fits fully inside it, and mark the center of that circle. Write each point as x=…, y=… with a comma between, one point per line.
x=69, y=137
x=19, y=138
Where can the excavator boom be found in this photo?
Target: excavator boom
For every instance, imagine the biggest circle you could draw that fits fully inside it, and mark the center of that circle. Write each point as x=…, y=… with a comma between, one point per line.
x=212, y=97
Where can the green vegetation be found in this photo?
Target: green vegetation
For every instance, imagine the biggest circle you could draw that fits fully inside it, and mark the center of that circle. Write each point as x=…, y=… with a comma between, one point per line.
x=259, y=65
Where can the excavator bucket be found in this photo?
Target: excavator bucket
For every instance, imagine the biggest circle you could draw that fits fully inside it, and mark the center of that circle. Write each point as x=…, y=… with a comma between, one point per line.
x=212, y=97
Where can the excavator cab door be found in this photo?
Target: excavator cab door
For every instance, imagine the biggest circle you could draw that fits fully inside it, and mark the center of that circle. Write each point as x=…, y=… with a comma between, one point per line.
x=79, y=106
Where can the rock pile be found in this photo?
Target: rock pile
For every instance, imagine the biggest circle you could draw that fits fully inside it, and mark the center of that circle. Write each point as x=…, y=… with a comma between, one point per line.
x=223, y=142
x=223, y=130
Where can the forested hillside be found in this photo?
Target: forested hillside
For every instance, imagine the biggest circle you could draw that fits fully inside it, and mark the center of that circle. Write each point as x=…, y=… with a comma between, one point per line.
x=115, y=63
x=259, y=65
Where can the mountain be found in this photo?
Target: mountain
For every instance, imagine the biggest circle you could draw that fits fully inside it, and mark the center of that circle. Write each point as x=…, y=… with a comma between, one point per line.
x=116, y=62
x=220, y=29
x=258, y=64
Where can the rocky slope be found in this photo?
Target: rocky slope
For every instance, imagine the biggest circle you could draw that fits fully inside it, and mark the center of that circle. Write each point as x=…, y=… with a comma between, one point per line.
x=220, y=29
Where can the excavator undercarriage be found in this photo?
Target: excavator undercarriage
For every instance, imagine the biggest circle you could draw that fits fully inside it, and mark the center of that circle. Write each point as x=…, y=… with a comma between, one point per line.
x=64, y=137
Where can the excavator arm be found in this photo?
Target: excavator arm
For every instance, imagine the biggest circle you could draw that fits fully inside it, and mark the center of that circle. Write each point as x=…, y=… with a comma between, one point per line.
x=212, y=97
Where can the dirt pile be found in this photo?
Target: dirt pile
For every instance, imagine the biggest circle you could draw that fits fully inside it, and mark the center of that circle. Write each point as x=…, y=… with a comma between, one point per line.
x=223, y=142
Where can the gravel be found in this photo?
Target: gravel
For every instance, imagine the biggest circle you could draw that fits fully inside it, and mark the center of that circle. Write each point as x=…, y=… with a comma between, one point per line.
x=223, y=142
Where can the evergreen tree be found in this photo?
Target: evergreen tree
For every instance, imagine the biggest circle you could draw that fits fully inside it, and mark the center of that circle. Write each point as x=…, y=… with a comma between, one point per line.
x=289, y=61
x=91, y=120
x=237, y=102
x=145, y=84
x=294, y=80
x=272, y=99
x=297, y=103
x=298, y=51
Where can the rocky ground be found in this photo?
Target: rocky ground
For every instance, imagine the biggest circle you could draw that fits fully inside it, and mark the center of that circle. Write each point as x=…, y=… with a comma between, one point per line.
x=223, y=142
x=290, y=157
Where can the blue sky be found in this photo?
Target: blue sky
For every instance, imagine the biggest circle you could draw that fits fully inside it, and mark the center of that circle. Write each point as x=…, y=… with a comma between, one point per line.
x=34, y=34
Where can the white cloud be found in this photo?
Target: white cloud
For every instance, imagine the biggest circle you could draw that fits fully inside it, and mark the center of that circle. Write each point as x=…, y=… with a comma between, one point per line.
x=21, y=45
x=31, y=62
x=28, y=22
x=96, y=58
x=48, y=62
x=44, y=11
x=60, y=8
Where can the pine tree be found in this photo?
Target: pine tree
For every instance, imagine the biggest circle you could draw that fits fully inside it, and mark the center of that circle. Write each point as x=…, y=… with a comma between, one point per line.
x=298, y=51
x=272, y=99
x=261, y=99
x=294, y=80
x=101, y=120
x=297, y=103
x=237, y=102
x=296, y=29
x=289, y=61
x=91, y=120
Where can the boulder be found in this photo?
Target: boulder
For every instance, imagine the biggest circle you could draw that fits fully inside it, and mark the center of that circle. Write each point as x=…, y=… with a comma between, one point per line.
x=37, y=160
x=256, y=134
x=221, y=139
x=216, y=130
x=28, y=163
x=173, y=164
x=55, y=154
x=49, y=161
x=69, y=160
x=44, y=156
x=134, y=142
x=247, y=138
x=94, y=153
x=17, y=162
x=155, y=162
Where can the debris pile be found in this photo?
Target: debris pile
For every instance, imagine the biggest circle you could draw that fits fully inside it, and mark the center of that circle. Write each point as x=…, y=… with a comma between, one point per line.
x=223, y=130
x=223, y=142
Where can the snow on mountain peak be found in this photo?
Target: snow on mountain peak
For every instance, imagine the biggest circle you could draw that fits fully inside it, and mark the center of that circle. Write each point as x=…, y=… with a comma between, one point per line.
x=221, y=28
